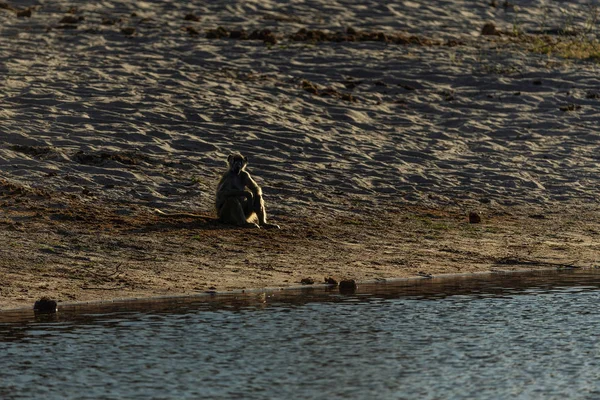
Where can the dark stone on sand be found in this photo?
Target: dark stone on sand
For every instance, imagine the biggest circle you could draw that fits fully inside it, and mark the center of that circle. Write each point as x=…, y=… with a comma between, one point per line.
x=71, y=19
x=191, y=30
x=382, y=37
x=570, y=107
x=352, y=35
x=425, y=275
x=45, y=305
x=266, y=35
x=310, y=87
x=537, y=216
x=4, y=6
x=24, y=13
x=128, y=31
x=307, y=281
x=330, y=281
x=240, y=34
x=110, y=21
x=217, y=33
x=592, y=95
x=474, y=217
x=191, y=17
x=348, y=97
x=453, y=43
x=304, y=35
x=489, y=29
x=128, y=158
x=348, y=286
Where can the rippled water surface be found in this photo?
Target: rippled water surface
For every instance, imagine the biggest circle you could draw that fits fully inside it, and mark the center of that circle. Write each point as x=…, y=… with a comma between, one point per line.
x=519, y=336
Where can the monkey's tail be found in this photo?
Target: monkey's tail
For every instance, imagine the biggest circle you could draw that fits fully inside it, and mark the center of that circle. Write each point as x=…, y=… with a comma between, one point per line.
x=179, y=215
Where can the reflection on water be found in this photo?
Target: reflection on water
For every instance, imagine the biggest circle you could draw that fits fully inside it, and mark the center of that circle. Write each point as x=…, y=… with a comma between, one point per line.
x=513, y=336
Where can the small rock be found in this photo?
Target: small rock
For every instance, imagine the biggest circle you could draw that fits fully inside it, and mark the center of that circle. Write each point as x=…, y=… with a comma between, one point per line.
x=489, y=29
x=5, y=6
x=537, y=82
x=218, y=33
x=330, y=281
x=592, y=95
x=382, y=37
x=425, y=274
x=474, y=217
x=70, y=19
x=309, y=87
x=537, y=216
x=348, y=286
x=266, y=35
x=24, y=13
x=45, y=305
x=307, y=281
x=110, y=21
x=192, y=17
x=191, y=30
x=128, y=31
x=348, y=97
x=241, y=34
x=570, y=107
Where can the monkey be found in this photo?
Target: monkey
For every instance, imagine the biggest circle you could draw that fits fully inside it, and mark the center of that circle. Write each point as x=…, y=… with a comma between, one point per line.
x=239, y=199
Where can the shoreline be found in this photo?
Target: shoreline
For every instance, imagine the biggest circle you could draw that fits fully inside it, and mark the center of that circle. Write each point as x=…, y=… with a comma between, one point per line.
x=81, y=306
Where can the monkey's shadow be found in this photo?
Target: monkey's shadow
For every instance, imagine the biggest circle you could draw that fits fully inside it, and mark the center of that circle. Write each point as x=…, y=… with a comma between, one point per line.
x=175, y=224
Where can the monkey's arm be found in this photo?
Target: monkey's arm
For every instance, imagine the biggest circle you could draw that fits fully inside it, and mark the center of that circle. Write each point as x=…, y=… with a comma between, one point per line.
x=259, y=204
x=252, y=185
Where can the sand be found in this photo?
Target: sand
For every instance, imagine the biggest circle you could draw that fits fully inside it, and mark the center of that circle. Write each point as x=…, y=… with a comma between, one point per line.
x=375, y=128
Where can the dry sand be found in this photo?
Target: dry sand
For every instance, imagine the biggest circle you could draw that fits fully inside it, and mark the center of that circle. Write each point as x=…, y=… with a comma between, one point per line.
x=373, y=140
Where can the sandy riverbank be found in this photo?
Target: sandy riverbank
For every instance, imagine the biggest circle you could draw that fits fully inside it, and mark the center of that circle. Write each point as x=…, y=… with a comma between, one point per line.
x=374, y=130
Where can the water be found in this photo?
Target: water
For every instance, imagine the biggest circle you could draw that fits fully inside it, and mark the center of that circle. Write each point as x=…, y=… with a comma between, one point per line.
x=519, y=336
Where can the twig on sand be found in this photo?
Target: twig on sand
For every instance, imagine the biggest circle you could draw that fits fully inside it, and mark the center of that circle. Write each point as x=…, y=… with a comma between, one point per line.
x=102, y=288
x=519, y=261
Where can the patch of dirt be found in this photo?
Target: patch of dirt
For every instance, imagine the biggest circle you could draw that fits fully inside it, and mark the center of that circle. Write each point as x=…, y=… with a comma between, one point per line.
x=70, y=248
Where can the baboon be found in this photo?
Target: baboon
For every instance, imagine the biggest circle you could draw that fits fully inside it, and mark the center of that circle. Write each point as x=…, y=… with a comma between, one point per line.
x=239, y=199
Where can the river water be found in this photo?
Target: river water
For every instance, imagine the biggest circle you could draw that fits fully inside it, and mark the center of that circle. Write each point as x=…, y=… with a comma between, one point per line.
x=525, y=336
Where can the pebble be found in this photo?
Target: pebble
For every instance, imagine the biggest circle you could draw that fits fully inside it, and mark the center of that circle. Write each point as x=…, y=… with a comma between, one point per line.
x=45, y=305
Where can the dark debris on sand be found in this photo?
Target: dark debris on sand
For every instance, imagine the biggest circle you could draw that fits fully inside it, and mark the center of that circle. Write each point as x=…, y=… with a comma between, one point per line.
x=266, y=35
x=99, y=158
x=312, y=88
x=315, y=36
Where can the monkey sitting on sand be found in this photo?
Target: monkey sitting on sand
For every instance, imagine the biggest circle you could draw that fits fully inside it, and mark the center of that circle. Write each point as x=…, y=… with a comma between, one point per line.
x=239, y=198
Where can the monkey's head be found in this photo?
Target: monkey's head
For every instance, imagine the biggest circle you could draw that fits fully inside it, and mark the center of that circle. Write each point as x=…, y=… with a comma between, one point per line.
x=237, y=163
